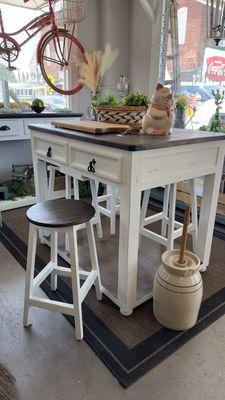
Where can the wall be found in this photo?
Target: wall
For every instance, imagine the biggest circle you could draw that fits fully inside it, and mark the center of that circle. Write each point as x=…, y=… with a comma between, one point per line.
x=126, y=26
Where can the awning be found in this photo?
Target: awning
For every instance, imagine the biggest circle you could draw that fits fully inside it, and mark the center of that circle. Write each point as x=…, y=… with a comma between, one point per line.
x=32, y=4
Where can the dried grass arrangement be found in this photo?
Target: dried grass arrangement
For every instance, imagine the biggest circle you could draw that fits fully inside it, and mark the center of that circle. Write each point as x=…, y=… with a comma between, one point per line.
x=97, y=64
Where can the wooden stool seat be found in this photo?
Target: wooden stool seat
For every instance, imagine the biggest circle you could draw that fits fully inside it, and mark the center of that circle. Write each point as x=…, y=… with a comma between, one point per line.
x=60, y=213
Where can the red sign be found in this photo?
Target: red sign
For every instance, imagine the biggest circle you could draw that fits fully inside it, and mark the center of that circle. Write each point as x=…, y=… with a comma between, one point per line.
x=215, y=69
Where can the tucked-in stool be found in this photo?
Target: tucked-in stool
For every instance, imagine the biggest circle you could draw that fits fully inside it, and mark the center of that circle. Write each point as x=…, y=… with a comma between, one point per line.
x=170, y=228
x=61, y=216
x=112, y=207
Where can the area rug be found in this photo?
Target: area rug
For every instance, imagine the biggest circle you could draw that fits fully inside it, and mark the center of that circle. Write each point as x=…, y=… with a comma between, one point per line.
x=8, y=390
x=128, y=346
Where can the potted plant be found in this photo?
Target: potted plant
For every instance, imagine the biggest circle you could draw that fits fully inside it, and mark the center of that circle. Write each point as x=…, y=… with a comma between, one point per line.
x=181, y=105
x=130, y=111
x=37, y=105
x=215, y=123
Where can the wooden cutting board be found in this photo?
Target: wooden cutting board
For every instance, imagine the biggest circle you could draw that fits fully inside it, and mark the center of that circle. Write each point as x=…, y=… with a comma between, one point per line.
x=91, y=126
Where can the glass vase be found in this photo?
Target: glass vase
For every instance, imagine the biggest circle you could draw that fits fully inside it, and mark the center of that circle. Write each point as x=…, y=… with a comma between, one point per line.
x=180, y=118
x=92, y=111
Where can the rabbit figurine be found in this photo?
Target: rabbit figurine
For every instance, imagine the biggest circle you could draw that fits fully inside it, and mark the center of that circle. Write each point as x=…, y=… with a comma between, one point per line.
x=159, y=118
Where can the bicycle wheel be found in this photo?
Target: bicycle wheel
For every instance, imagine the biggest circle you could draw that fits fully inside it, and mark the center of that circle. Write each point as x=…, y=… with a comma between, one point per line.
x=59, y=53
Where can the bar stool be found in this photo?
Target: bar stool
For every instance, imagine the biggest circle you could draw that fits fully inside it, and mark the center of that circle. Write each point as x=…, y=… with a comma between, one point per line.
x=56, y=216
x=68, y=193
x=112, y=207
x=170, y=228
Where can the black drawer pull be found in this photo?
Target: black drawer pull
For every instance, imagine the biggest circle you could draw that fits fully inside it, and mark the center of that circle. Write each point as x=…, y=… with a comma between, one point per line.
x=91, y=167
x=4, y=128
x=49, y=152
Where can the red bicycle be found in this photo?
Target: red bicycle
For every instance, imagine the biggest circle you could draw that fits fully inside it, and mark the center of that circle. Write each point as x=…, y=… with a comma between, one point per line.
x=57, y=50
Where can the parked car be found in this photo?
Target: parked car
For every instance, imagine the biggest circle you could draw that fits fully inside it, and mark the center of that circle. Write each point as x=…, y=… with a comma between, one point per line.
x=54, y=102
x=201, y=93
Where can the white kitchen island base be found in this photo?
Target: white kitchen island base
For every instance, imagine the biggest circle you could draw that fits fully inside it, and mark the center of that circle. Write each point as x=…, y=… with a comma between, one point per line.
x=133, y=164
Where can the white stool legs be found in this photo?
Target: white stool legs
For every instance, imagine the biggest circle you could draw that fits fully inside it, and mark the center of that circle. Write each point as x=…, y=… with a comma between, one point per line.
x=112, y=207
x=31, y=254
x=170, y=228
x=78, y=292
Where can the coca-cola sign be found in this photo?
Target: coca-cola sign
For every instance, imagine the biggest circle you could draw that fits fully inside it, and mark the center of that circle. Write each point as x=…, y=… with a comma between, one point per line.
x=215, y=68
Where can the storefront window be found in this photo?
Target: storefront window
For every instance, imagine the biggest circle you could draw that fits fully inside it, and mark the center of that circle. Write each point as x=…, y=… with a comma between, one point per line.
x=202, y=64
x=26, y=82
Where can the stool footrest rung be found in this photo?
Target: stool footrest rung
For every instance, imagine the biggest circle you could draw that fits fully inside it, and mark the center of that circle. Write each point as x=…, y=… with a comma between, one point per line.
x=43, y=274
x=52, y=305
x=92, y=276
x=153, y=218
x=154, y=236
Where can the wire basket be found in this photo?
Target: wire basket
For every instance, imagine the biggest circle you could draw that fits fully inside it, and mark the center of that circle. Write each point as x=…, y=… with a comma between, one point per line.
x=69, y=11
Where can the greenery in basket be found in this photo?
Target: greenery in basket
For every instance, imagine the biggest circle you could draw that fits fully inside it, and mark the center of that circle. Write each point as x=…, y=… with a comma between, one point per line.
x=112, y=101
x=137, y=99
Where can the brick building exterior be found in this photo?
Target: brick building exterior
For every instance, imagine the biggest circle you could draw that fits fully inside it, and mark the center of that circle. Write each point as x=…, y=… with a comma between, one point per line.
x=194, y=38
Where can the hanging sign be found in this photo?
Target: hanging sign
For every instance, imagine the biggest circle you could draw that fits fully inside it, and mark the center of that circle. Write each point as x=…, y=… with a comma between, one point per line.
x=214, y=65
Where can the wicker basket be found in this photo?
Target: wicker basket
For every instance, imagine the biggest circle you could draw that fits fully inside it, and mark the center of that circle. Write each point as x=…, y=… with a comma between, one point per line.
x=129, y=115
x=69, y=11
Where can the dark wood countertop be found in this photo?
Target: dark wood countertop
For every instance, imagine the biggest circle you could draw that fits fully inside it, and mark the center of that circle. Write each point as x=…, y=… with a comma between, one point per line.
x=34, y=115
x=179, y=137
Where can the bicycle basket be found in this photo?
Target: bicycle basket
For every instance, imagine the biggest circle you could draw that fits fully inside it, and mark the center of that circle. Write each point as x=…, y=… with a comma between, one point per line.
x=69, y=11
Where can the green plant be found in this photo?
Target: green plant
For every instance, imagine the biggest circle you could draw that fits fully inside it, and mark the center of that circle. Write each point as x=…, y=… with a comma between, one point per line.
x=37, y=103
x=182, y=102
x=137, y=99
x=215, y=122
x=111, y=100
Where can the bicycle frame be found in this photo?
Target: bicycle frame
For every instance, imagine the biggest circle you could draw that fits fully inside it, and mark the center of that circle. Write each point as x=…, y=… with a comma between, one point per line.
x=37, y=23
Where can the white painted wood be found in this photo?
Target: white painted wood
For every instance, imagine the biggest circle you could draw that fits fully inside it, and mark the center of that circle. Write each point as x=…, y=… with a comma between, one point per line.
x=37, y=281
x=108, y=162
x=166, y=199
x=75, y=283
x=54, y=258
x=32, y=244
x=194, y=214
x=172, y=165
x=167, y=216
x=96, y=206
x=79, y=293
x=208, y=211
x=94, y=260
x=15, y=128
x=130, y=198
x=112, y=206
x=52, y=305
x=59, y=150
x=172, y=212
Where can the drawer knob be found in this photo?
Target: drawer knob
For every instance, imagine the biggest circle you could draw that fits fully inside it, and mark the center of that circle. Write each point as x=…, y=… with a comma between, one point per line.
x=49, y=152
x=91, y=167
x=4, y=128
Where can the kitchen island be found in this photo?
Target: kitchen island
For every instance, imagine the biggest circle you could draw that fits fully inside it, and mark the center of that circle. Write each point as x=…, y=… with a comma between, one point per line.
x=134, y=163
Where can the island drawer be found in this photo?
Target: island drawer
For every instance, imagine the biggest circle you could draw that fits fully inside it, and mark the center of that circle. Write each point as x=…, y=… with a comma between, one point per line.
x=98, y=162
x=54, y=150
x=12, y=127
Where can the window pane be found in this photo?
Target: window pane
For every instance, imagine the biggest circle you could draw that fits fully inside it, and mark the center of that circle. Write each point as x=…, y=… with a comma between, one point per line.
x=26, y=80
